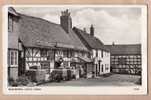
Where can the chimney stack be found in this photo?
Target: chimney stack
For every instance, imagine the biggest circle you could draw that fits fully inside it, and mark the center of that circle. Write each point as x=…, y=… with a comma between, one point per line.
x=113, y=44
x=92, y=30
x=66, y=21
x=84, y=29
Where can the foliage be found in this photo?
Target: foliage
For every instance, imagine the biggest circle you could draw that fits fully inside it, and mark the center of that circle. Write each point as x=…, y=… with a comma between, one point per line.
x=23, y=80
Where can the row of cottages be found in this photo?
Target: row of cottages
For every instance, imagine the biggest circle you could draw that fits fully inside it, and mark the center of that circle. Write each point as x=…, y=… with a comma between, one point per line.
x=36, y=42
x=125, y=59
x=99, y=53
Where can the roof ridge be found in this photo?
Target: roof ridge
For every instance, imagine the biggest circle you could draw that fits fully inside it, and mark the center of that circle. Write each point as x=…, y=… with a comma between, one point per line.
x=137, y=44
x=93, y=41
x=88, y=34
x=38, y=18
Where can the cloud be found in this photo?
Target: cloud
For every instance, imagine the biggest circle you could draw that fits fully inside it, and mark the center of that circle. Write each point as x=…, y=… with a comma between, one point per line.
x=109, y=28
x=52, y=18
x=121, y=25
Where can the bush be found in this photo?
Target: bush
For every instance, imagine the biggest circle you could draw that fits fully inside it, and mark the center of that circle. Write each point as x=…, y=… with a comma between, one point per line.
x=139, y=82
x=107, y=75
x=12, y=82
x=56, y=75
x=23, y=80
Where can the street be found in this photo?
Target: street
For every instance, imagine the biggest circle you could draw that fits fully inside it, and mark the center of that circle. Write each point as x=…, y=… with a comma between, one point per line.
x=112, y=80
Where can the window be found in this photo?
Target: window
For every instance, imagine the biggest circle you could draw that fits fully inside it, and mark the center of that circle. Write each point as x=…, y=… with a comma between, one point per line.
x=102, y=68
x=65, y=53
x=122, y=61
x=96, y=53
x=10, y=23
x=102, y=54
x=13, y=58
x=106, y=68
x=43, y=53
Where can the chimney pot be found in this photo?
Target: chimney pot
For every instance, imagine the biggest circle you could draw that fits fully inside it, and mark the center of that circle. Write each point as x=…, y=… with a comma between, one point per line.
x=84, y=29
x=66, y=21
x=92, y=30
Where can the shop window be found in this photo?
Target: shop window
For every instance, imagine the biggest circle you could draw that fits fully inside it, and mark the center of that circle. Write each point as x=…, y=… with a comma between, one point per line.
x=13, y=58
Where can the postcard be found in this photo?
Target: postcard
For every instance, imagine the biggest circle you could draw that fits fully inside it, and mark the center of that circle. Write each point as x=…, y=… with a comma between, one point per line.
x=75, y=49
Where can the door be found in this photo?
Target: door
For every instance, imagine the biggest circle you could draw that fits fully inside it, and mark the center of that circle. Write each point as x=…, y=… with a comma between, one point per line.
x=21, y=63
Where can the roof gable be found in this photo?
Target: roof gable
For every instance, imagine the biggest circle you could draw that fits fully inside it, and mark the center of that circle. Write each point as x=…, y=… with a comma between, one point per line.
x=92, y=42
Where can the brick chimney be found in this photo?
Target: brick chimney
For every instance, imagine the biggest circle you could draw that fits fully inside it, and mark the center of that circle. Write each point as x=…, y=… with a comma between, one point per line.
x=66, y=21
x=113, y=43
x=92, y=30
x=84, y=29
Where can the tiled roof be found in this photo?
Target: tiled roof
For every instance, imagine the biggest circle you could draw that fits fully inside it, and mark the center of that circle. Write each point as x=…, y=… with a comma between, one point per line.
x=125, y=49
x=91, y=41
x=35, y=32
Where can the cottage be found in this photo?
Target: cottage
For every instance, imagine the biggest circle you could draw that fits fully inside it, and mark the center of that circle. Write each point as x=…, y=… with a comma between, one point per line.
x=98, y=52
x=125, y=59
x=34, y=43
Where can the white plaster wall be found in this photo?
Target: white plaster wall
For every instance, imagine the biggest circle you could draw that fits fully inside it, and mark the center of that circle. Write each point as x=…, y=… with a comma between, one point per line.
x=105, y=60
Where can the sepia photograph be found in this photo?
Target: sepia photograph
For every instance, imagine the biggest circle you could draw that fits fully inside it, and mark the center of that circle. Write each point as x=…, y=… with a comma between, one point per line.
x=75, y=49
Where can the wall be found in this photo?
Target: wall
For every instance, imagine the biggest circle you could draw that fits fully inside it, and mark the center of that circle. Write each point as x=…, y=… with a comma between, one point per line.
x=13, y=45
x=104, y=60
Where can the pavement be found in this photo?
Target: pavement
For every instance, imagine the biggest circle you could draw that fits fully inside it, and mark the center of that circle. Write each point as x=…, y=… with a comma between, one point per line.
x=112, y=80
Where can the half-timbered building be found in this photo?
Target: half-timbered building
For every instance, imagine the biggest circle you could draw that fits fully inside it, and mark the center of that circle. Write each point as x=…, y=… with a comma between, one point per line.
x=40, y=43
x=125, y=59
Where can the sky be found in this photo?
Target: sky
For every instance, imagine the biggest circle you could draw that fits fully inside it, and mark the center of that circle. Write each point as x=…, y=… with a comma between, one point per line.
x=121, y=25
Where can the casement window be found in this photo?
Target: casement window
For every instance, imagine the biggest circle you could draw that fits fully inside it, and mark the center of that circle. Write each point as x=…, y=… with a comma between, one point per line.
x=43, y=53
x=10, y=23
x=102, y=67
x=96, y=53
x=102, y=53
x=13, y=57
x=65, y=53
x=59, y=53
x=122, y=61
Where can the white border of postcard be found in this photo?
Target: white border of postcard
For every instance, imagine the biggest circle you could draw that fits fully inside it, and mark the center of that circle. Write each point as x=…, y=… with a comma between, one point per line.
x=71, y=90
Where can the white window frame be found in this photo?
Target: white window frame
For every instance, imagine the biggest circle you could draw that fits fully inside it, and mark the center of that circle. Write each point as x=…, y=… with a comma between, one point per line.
x=15, y=61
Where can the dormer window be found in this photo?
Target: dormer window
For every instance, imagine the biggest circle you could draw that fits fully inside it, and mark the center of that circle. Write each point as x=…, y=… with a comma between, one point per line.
x=10, y=23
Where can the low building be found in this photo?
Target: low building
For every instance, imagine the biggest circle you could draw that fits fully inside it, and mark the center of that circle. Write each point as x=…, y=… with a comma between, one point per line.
x=125, y=59
x=99, y=53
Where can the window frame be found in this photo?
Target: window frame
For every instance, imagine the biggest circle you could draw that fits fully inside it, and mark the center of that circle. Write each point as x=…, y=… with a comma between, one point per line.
x=102, y=53
x=14, y=57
